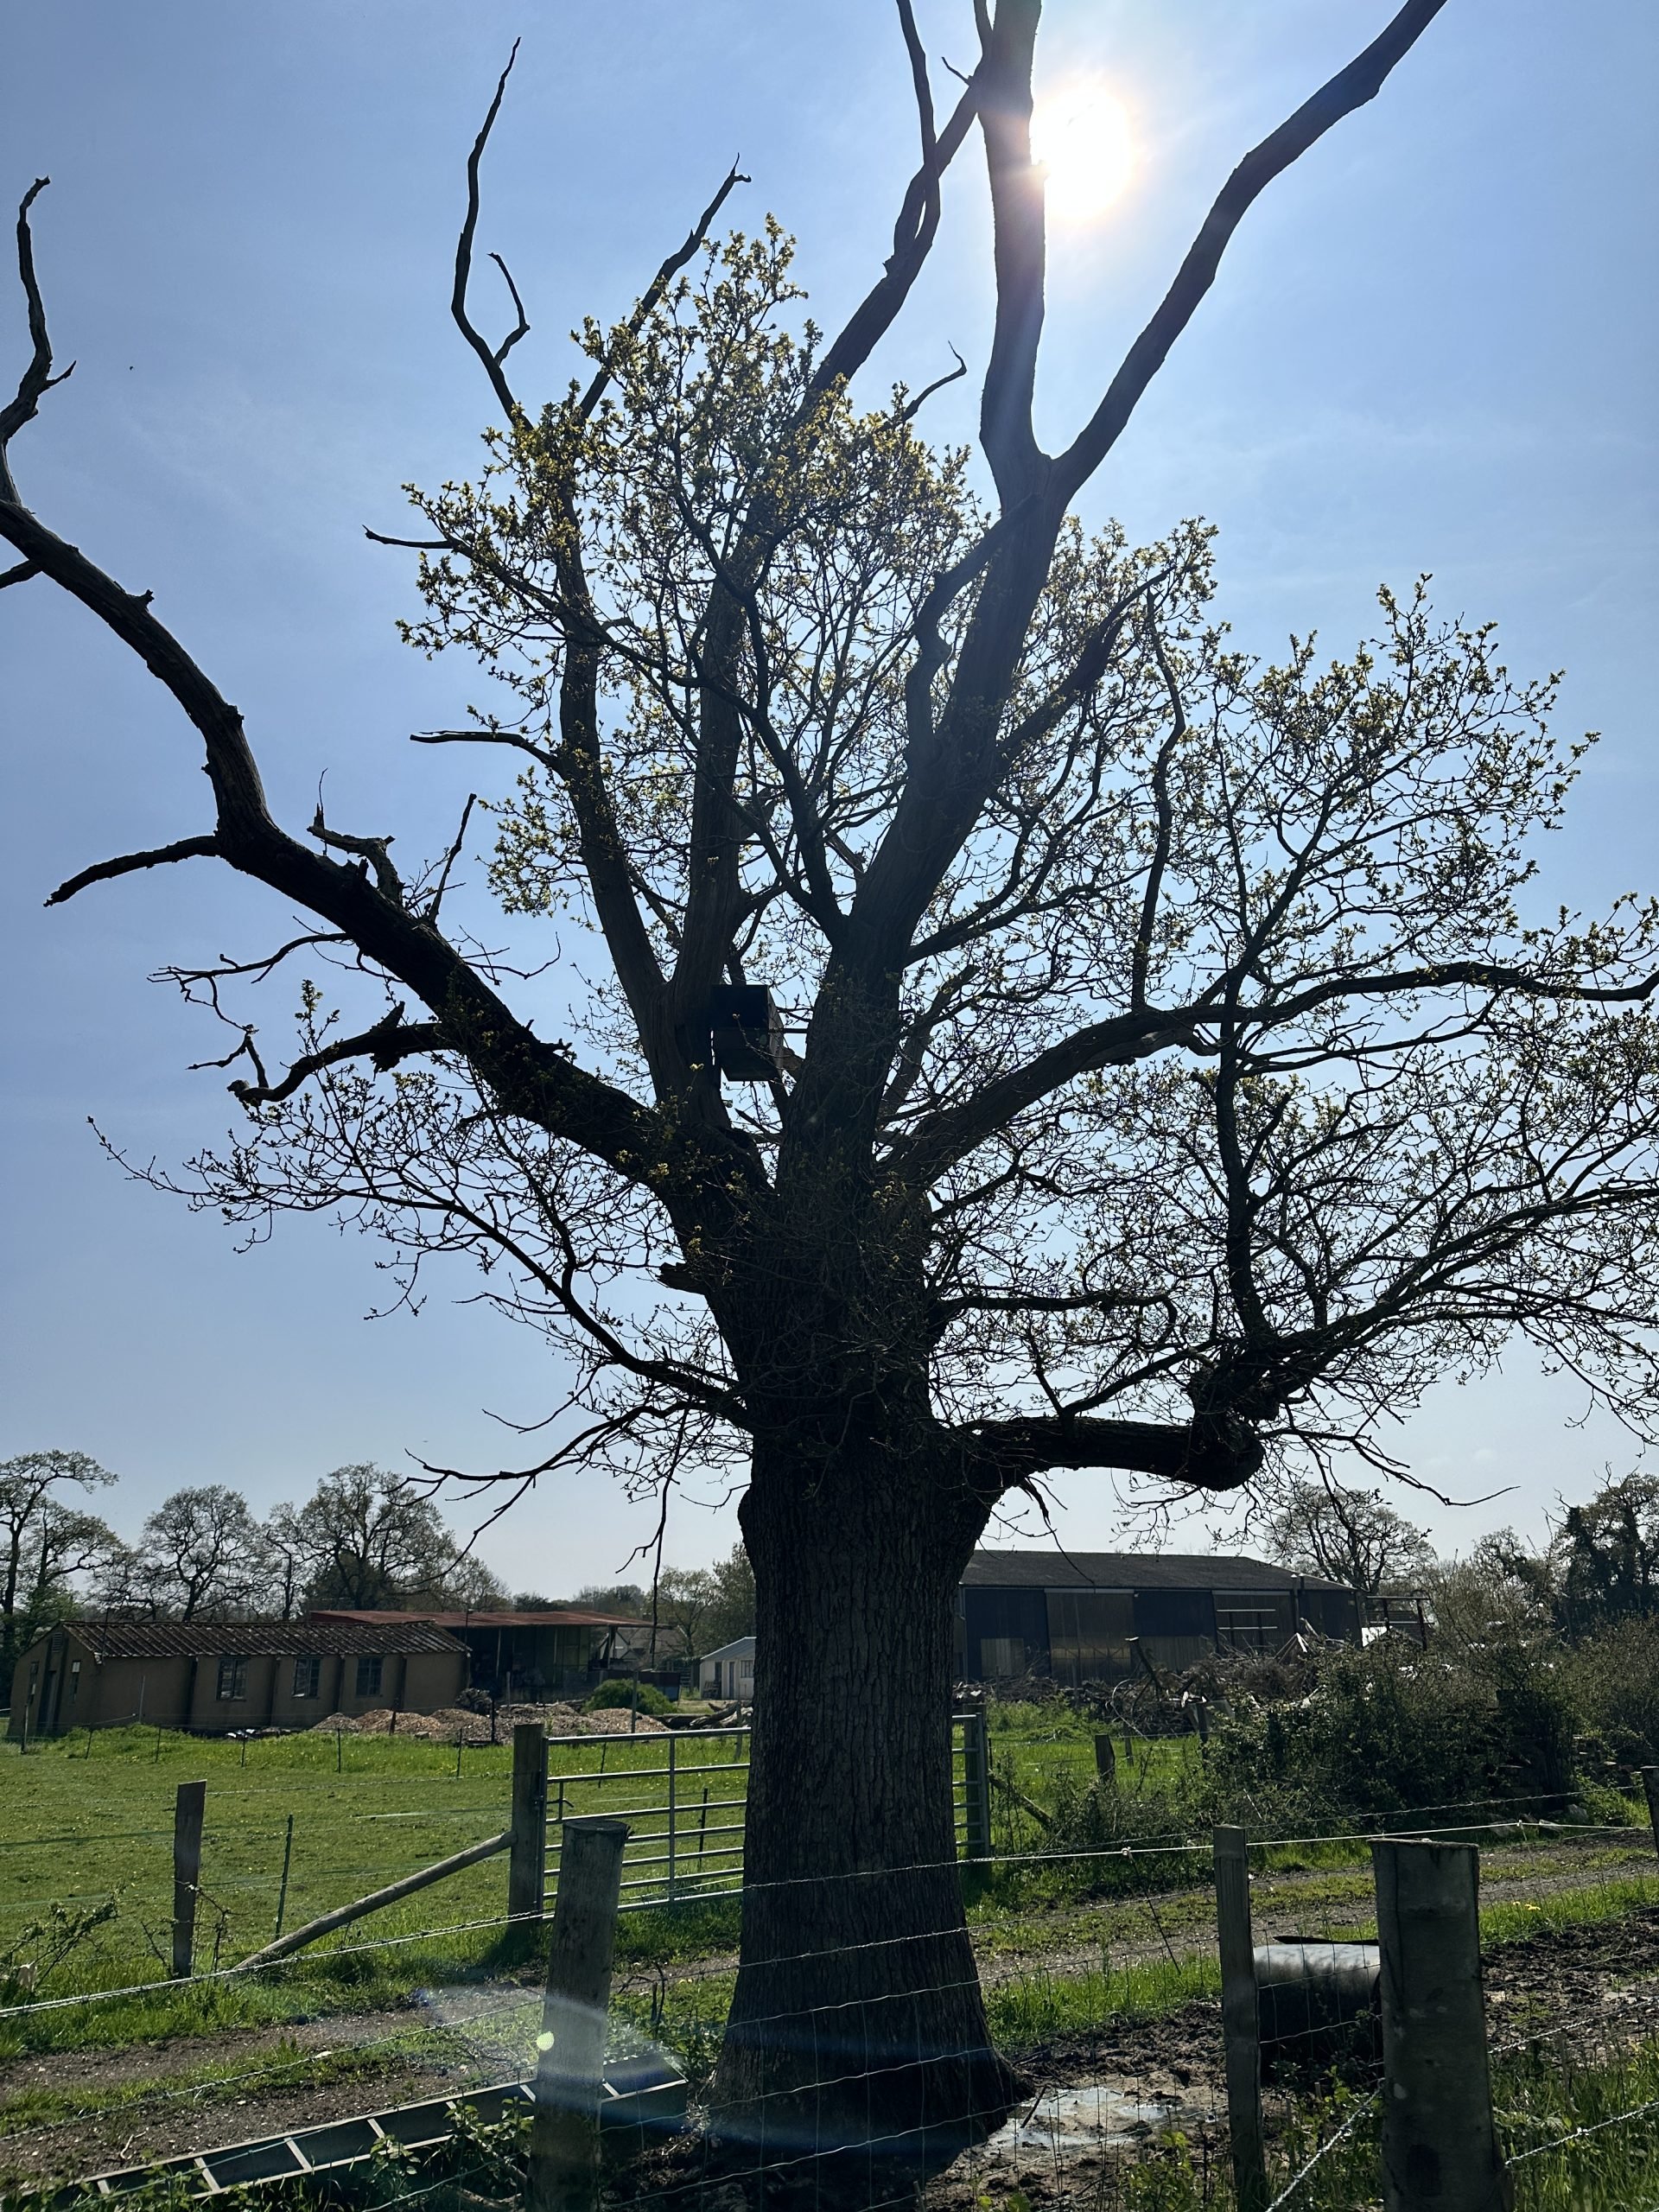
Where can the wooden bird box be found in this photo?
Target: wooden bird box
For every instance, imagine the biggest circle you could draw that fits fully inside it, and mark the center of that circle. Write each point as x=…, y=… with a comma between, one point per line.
x=746, y=1032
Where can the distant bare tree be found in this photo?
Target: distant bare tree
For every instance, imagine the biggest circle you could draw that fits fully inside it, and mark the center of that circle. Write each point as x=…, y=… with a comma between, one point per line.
x=700, y=1608
x=47, y=1543
x=1351, y=1536
x=200, y=1556
x=612, y=1598
x=369, y=1540
x=1172, y=1078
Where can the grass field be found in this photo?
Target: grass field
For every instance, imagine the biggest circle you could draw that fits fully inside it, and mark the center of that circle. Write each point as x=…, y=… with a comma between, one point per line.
x=87, y=1824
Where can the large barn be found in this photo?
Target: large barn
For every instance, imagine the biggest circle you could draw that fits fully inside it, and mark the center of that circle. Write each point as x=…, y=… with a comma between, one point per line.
x=1071, y=1616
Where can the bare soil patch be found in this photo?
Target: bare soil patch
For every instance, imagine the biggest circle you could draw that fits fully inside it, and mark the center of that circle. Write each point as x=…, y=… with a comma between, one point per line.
x=449, y=1723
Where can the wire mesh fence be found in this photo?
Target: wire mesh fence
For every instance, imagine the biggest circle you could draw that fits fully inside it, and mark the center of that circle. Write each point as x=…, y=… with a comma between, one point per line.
x=1064, y=2042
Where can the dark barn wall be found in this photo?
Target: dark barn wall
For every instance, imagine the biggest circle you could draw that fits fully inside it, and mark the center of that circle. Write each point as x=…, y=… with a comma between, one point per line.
x=1015, y=1621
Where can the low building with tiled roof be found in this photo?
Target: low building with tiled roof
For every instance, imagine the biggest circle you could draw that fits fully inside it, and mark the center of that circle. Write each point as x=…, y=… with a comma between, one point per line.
x=217, y=1677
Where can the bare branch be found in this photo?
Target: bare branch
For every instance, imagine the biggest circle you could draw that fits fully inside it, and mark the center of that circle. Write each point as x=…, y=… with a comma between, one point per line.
x=259, y=969
x=186, y=848
x=1450, y=974
x=388, y=1042
x=1120, y=1040
x=1003, y=1455
x=37, y=377
x=411, y=545
x=492, y=357
x=514, y=738
x=1348, y=89
x=912, y=233
x=453, y=856
x=521, y=328
x=1142, y=965
x=660, y=282
x=530, y=1077
x=1020, y=254
x=372, y=849
x=913, y=407
x=19, y=573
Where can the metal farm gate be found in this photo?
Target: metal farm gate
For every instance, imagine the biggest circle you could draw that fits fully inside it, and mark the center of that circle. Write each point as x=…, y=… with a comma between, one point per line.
x=684, y=1792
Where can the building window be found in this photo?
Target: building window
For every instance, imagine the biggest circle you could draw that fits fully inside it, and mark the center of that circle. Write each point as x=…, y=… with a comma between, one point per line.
x=308, y=1676
x=74, y=1678
x=368, y=1676
x=232, y=1679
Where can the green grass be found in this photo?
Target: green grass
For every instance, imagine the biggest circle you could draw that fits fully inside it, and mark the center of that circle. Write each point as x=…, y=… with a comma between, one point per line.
x=75, y=1830
x=217, y=2082
x=82, y=1822
x=1032, y=2008
x=1034, y=1744
x=1513, y=1922
x=83, y=1819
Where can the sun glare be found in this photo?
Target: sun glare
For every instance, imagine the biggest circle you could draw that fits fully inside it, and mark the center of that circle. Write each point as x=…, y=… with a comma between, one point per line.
x=1080, y=134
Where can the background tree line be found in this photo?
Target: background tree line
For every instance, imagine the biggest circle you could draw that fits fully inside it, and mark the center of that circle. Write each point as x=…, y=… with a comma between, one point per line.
x=1597, y=1570
x=366, y=1538
x=1540, y=1675
x=693, y=1610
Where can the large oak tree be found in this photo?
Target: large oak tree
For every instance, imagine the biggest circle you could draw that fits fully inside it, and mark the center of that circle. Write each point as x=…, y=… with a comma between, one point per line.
x=1175, y=1078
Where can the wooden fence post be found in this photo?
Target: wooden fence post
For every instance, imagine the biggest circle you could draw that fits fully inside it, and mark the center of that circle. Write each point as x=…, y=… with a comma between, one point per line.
x=282, y=1894
x=1105, y=1760
x=1650, y=1783
x=1440, y=2150
x=527, y=1865
x=1241, y=2027
x=186, y=1872
x=564, y=2174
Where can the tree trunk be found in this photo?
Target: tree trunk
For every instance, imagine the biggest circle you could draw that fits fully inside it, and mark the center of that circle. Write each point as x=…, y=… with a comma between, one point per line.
x=857, y=2033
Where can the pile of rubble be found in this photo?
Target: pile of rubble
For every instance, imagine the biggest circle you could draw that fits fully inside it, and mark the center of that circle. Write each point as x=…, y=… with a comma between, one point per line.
x=449, y=1724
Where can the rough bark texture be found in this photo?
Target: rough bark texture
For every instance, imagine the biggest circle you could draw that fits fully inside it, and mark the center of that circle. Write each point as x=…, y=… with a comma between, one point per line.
x=857, y=2020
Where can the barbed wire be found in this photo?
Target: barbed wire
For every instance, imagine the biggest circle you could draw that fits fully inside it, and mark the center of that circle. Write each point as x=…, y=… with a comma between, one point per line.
x=1589, y=2127
x=1328, y=2146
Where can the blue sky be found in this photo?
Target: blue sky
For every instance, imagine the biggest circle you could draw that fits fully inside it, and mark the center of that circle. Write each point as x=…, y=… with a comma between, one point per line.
x=1433, y=347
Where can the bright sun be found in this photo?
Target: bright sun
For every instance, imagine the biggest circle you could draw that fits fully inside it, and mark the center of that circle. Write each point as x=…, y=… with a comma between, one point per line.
x=1081, y=136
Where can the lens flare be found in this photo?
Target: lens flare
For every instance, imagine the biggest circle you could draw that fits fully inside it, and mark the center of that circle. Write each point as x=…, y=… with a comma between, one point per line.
x=1080, y=134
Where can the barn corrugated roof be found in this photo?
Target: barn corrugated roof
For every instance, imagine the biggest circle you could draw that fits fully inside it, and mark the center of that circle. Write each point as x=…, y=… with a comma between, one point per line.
x=538, y=1616
x=1053, y=1570
x=138, y=1639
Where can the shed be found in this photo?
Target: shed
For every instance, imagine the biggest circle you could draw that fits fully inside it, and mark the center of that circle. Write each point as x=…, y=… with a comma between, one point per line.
x=728, y=1672
x=535, y=1653
x=214, y=1677
x=1069, y=1616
